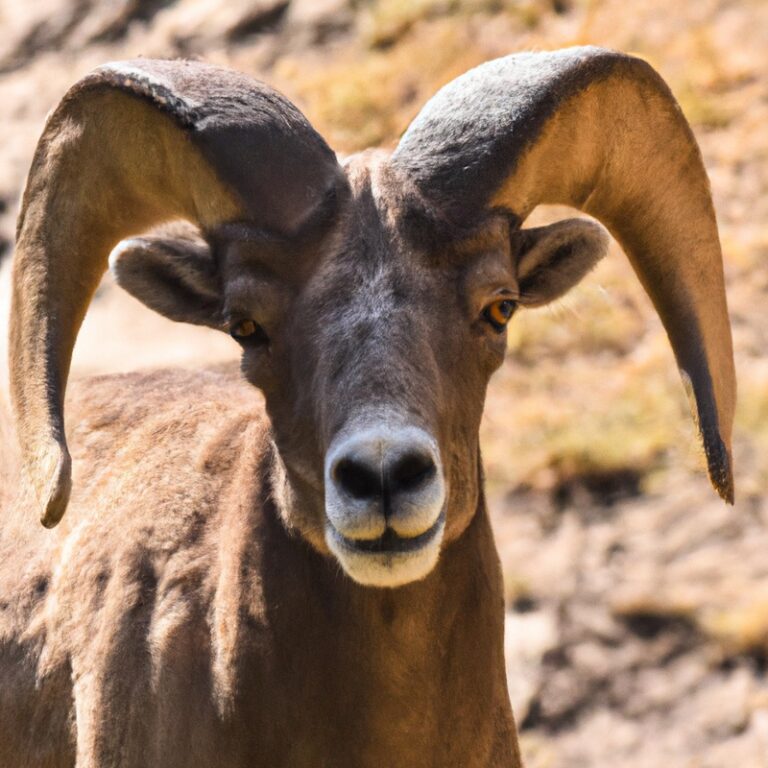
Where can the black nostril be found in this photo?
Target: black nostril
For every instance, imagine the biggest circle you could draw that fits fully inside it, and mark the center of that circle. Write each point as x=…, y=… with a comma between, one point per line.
x=411, y=471
x=357, y=479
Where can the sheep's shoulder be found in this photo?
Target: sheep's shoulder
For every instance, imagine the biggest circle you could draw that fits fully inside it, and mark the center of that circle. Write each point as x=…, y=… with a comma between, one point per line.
x=157, y=526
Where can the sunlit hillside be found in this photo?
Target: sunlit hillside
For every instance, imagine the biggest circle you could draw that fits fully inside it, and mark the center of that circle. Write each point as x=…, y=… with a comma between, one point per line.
x=638, y=602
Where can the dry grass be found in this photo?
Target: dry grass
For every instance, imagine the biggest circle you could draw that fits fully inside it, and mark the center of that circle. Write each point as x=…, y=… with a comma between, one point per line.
x=752, y=428
x=742, y=630
x=367, y=98
x=589, y=387
x=403, y=51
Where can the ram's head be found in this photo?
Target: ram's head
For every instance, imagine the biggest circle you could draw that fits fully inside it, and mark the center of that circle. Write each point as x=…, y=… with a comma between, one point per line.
x=371, y=297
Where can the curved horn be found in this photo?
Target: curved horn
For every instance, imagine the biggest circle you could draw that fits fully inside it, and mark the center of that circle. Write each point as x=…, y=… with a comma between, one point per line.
x=132, y=145
x=600, y=131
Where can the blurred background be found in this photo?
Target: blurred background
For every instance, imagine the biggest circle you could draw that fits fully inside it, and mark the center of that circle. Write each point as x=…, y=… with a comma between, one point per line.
x=637, y=624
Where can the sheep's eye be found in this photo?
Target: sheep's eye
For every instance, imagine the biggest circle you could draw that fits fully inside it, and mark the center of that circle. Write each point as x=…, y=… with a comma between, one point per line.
x=499, y=313
x=248, y=332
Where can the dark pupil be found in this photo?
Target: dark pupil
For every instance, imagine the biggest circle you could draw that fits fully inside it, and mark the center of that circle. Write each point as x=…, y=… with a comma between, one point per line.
x=506, y=308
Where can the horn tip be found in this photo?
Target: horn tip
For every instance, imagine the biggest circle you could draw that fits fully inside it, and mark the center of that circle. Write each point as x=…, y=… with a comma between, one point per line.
x=54, y=511
x=726, y=491
x=54, y=495
x=720, y=469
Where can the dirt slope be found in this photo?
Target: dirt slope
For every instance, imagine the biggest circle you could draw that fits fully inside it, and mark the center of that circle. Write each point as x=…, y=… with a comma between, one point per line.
x=638, y=603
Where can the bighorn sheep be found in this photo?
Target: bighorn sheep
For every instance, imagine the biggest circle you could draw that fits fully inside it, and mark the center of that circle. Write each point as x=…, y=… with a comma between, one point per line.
x=312, y=582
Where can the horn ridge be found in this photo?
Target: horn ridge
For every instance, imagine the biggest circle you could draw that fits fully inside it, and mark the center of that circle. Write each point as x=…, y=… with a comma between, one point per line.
x=488, y=117
x=600, y=131
x=132, y=145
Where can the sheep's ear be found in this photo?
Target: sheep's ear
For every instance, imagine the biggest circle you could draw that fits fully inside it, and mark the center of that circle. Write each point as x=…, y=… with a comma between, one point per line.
x=176, y=277
x=552, y=259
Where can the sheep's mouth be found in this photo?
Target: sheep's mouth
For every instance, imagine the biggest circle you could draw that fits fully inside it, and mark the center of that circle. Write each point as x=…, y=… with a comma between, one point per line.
x=391, y=542
x=390, y=560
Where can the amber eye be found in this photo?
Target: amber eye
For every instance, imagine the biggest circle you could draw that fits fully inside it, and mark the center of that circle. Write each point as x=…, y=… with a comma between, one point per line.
x=499, y=313
x=248, y=332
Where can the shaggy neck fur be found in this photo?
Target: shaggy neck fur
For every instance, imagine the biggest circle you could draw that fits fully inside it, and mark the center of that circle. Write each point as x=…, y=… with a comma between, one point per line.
x=209, y=634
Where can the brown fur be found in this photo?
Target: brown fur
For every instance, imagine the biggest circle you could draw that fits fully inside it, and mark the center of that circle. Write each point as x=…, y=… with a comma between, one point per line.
x=171, y=613
x=9, y=465
x=201, y=602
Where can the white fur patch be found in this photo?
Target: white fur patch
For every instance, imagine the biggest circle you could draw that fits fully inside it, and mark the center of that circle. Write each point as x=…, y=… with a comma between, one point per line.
x=386, y=569
x=131, y=244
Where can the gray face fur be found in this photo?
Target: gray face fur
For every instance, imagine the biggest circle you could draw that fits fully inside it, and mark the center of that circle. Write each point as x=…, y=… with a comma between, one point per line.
x=363, y=285
x=373, y=350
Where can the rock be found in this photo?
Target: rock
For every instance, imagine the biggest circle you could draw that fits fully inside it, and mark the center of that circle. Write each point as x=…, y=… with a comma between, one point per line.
x=527, y=637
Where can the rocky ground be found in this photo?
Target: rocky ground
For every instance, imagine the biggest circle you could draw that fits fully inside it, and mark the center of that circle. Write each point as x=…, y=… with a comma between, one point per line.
x=638, y=603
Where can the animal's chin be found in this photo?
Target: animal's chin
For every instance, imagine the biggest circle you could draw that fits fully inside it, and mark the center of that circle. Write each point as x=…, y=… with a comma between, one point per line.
x=389, y=560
